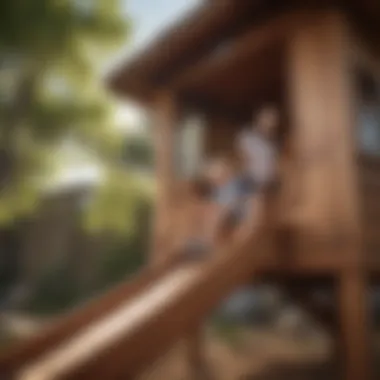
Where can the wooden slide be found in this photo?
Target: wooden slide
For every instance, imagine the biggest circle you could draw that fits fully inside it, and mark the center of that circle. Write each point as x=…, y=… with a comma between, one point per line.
x=120, y=334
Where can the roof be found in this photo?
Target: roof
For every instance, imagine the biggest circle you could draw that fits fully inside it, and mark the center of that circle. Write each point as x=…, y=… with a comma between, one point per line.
x=193, y=56
x=195, y=33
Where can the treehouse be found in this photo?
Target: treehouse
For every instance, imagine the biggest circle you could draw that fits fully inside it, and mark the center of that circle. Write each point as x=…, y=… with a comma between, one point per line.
x=318, y=62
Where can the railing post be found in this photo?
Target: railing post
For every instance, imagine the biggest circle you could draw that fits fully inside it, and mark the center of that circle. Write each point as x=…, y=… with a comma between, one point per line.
x=195, y=346
x=165, y=120
x=353, y=341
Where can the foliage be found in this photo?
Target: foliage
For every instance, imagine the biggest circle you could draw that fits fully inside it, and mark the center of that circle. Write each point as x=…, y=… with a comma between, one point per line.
x=55, y=291
x=51, y=53
x=116, y=204
x=138, y=152
x=126, y=255
x=230, y=333
x=122, y=256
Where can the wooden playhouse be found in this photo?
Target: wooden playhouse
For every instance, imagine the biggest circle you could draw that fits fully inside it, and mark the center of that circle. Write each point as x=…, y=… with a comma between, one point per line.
x=319, y=62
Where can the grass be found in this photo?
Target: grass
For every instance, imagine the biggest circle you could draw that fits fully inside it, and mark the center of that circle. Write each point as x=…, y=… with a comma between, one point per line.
x=229, y=333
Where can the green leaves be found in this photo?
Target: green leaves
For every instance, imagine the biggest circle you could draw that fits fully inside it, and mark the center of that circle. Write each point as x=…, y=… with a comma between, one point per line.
x=138, y=152
x=50, y=27
x=114, y=207
x=56, y=47
x=52, y=119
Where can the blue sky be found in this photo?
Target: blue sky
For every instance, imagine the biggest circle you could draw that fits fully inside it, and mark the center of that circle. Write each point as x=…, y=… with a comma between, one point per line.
x=150, y=16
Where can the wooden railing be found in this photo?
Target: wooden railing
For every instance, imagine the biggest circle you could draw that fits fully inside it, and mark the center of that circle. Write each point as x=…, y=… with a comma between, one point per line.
x=166, y=236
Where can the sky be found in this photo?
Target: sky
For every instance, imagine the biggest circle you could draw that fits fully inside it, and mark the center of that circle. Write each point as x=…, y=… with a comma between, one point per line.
x=149, y=16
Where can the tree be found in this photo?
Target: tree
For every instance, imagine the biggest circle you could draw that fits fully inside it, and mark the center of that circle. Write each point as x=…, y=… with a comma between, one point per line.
x=51, y=55
x=51, y=58
x=138, y=152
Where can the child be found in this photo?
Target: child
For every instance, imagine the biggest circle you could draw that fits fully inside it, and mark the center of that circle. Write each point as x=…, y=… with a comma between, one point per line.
x=258, y=151
x=214, y=204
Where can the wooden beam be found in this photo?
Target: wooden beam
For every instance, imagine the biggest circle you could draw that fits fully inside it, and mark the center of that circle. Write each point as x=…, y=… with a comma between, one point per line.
x=250, y=43
x=198, y=368
x=200, y=103
x=364, y=17
x=354, y=344
x=165, y=118
x=226, y=19
x=185, y=40
x=370, y=8
x=322, y=106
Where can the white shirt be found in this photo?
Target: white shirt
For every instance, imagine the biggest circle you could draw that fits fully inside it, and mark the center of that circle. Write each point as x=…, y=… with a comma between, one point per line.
x=261, y=155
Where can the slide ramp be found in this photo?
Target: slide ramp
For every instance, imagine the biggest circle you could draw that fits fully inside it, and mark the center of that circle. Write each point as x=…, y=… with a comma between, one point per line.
x=120, y=338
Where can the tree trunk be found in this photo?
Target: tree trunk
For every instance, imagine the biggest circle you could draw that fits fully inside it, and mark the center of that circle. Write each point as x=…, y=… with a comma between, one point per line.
x=10, y=172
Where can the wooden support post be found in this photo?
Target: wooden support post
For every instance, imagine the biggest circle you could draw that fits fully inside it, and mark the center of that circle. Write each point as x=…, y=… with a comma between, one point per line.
x=165, y=120
x=354, y=338
x=218, y=135
x=323, y=125
x=320, y=92
x=167, y=117
x=198, y=368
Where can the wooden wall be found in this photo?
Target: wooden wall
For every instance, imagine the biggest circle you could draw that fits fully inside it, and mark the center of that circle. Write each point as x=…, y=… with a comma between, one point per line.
x=319, y=70
x=220, y=136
